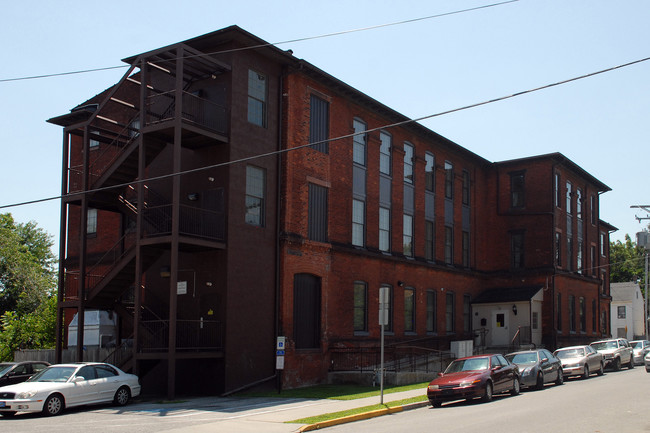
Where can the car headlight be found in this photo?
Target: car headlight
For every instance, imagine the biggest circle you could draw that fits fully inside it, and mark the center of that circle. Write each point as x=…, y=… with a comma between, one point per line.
x=470, y=383
x=527, y=371
x=433, y=387
x=25, y=394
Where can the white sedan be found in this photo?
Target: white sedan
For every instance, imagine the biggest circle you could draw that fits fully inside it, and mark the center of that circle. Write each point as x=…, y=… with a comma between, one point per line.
x=67, y=385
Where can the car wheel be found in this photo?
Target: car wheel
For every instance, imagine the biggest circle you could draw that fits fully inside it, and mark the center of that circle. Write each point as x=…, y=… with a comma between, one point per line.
x=436, y=403
x=540, y=381
x=585, y=374
x=122, y=396
x=602, y=369
x=53, y=405
x=560, y=377
x=631, y=364
x=8, y=414
x=487, y=396
x=617, y=364
x=647, y=370
x=516, y=386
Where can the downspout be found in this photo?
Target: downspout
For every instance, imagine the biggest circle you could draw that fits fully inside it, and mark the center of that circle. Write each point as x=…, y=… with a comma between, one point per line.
x=278, y=204
x=554, y=329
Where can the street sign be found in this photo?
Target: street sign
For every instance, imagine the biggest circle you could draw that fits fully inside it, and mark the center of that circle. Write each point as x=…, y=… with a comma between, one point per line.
x=279, y=362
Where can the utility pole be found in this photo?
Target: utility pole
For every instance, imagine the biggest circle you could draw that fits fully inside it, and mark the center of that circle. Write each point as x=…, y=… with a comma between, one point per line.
x=384, y=303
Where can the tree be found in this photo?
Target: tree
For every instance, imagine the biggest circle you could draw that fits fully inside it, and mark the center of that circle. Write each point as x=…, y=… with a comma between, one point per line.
x=627, y=261
x=27, y=287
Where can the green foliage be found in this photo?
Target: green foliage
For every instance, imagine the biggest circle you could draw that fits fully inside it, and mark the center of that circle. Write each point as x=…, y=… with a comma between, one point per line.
x=627, y=262
x=27, y=287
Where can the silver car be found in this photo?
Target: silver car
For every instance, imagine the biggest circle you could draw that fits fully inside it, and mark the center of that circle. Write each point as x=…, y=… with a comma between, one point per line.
x=639, y=350
x=580, y=361
x=646, y=361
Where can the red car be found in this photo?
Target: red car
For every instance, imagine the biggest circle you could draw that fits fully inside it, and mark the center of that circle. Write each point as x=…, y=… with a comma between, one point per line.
x=474, y=376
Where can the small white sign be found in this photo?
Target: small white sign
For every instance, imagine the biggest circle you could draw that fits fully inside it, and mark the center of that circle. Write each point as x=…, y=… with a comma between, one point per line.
x=280, y=342
x=181, y=288
x=279, y=362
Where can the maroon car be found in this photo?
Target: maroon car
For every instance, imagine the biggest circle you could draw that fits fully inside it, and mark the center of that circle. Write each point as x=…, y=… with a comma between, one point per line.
x=474, y=376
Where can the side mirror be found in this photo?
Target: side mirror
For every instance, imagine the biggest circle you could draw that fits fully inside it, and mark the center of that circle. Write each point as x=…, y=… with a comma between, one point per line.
x=545, y=360
x=440, y=374
x=79, y=379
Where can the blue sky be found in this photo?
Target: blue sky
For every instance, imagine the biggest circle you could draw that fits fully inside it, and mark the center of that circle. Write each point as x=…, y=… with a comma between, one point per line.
x=419, y=68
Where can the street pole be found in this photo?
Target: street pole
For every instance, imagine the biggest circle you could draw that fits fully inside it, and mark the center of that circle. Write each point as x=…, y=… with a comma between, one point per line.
x=647, y=299
x=381, y=367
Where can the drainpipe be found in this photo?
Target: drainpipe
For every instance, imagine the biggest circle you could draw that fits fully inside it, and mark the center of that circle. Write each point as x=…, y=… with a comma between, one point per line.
x=278, y=329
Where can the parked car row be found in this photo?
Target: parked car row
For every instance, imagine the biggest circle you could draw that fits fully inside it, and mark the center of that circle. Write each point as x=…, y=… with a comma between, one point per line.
x=56, y=387
x=482, y=376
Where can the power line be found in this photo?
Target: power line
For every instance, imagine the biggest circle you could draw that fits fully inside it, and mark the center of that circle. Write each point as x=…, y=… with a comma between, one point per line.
x=342, y=137
x=308, y=38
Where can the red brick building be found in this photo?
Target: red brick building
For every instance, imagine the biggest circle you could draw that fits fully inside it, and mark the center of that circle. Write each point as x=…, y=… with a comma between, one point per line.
x=225, y=193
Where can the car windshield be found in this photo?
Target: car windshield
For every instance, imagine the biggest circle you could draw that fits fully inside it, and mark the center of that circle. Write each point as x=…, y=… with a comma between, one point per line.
x=53, y=374
x=604, y=345
x=570, y=353
x=523, y=358
x=635, y=345
x=4, y=367
x=468, y=365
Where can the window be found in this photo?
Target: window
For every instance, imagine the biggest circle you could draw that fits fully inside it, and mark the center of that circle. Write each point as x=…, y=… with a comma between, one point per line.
x=579, y=263
x=594, y=317
x=579, y=203
x=582, y=314
x=517, y=188
x=558, y=200
x=384, y=229
x=450, y=313
x=466, y=249
x=359, y=143
x=466, y=185
x=317, y=215
x=105, y=371
x=568, y=198
x=319, y=120
x=92, y=142
x=255, y=191
x=569, y=253
x=385, y=152
x=360, y=306
x=91, y=221
x=408, y=235
x=572, y=312
x=558, y=307
x=602, y=244
x=256, y=98
x=621, y=311
x=408, y=163
x=409, y=309
x=429, y=240
x=467, y=313
x=558, y=249
x=517, y=249
x=306, y=311
x=592, y=259
x=449, y=245
x=358, y=223
x=431, y=311
x=535, y=320
x=593, y=209
x=429, y=172
x=449, y=180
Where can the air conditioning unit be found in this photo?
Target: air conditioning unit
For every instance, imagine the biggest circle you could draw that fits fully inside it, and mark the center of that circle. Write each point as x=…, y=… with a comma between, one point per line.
x=643, y=240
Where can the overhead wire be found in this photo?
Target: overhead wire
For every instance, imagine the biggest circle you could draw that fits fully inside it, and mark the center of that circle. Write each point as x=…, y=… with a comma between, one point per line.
x=342, y=137
x=289, y=41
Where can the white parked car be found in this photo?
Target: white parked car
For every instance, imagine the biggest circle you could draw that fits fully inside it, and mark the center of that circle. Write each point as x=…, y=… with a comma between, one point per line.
x=646, y=361
x=67, y=385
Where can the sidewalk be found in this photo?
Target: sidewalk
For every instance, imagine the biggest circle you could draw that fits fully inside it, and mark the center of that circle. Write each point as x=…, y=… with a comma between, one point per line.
x=271, y=415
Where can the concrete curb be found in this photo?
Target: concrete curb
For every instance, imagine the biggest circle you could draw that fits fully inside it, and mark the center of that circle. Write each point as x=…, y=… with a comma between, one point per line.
x=362, y=416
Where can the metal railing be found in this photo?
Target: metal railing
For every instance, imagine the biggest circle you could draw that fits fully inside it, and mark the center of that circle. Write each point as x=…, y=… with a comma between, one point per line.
x=191, y=335
x=193, y=222
x=396, y=358
x=202, y=112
